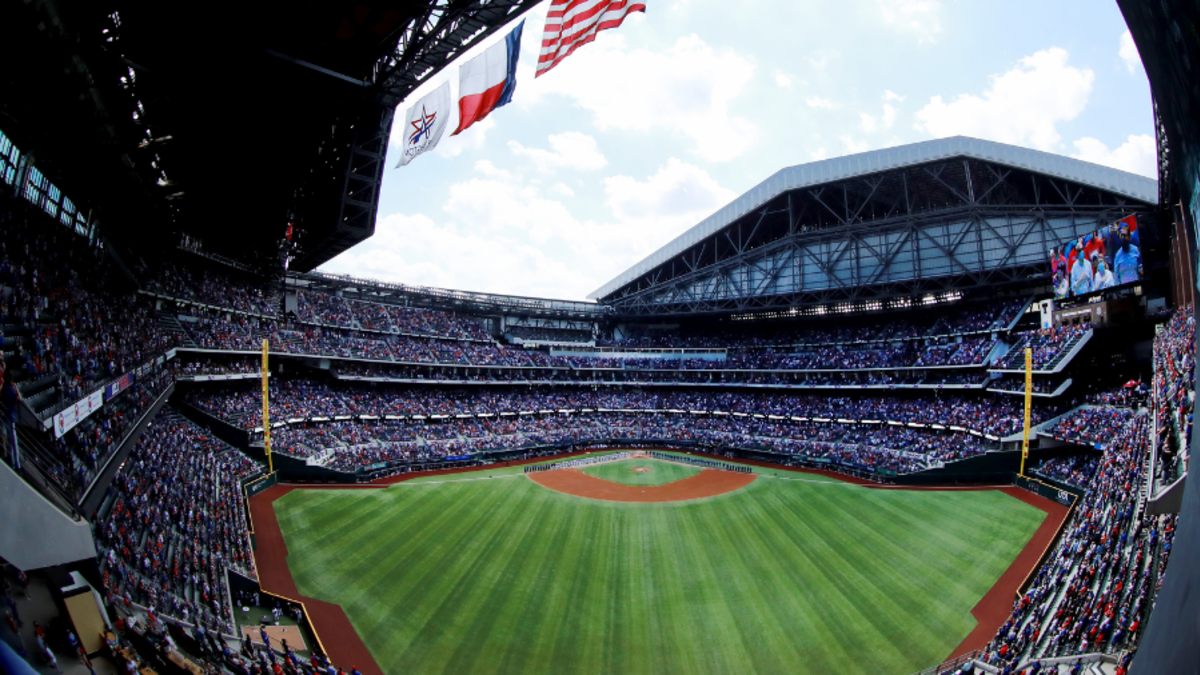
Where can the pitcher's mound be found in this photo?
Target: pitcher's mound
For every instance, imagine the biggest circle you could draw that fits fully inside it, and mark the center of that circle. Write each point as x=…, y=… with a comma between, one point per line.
x=707, y=483
x=641, y=469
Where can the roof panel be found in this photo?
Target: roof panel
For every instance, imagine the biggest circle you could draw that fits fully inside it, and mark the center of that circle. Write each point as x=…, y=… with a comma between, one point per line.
x=839, y=168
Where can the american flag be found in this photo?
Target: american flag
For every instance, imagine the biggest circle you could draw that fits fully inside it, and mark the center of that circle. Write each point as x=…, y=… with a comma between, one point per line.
x=570, y=24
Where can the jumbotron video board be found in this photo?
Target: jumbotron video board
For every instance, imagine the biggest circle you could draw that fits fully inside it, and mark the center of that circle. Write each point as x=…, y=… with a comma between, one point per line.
x=1106, y=258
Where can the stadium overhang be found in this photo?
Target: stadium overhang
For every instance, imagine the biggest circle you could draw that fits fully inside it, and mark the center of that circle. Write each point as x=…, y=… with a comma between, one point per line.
x=224, y=122
x=941, y=216
x=445, y=299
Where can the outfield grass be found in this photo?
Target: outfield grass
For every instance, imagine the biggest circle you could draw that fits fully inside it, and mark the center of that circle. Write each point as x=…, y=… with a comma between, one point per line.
x=660, y=473
x=783, y=576
x=520, y=470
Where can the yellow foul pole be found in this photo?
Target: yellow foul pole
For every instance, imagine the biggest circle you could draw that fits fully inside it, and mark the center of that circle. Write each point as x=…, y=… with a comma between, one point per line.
x=1028, y=404
x=267, y=418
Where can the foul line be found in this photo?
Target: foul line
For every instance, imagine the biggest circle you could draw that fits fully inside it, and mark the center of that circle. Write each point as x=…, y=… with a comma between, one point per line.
x=459, y=480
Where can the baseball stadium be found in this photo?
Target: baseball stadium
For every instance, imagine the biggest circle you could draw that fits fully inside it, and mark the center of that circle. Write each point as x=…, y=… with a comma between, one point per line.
x=921, y=409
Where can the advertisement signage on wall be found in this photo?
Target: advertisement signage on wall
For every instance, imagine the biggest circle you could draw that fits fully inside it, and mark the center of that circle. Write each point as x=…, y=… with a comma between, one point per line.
x=117, y=386
x=74, y=414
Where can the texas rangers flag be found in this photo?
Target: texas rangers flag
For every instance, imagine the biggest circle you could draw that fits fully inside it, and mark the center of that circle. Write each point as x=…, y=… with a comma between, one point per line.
x=425, y=122
x=488, y=81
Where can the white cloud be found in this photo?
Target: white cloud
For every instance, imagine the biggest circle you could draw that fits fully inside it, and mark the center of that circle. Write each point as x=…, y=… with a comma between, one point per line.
x=677, y=191
x=920, y=17
x=870, y=123
x=503, y=203
x=853, y=146
x=818, y=154
x=818, y=102
x=1138, y=154
x=1129, y=52
x=651, y=212
x=783, y=80
x=889, y=95
x=417, y=250
x=471, y=139
x=1021, y=106
x=503, y=233
x=570, y=150
x=688, y=88
x=889, y=115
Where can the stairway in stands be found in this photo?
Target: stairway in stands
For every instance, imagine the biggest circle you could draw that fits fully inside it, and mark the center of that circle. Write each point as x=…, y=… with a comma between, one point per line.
x=170, y=325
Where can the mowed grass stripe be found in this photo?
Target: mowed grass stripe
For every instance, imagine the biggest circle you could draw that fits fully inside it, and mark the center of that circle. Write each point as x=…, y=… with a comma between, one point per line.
x=506, y=584
x=783, y=576
x=512, y=644
x=752, y=534
x=437, y=602
x=480, y=561
x=736, y=552
x=868, y=584
x=839, y=619
x=676, y=617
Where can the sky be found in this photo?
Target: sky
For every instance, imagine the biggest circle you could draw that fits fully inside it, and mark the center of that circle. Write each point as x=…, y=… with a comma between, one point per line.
x=657, y=124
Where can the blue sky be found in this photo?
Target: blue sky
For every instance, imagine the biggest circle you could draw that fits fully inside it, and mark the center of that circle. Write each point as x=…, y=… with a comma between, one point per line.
x=655, y=125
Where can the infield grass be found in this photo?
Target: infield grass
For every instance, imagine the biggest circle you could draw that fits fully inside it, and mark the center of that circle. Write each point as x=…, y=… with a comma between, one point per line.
x=783, y=576
x=659, y=473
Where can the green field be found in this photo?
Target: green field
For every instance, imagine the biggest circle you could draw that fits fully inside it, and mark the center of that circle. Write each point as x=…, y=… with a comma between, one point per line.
x=660, y=473
x=466, y=575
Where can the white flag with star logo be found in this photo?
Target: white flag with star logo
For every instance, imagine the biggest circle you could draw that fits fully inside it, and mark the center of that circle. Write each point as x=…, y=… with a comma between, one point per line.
x=425, y=122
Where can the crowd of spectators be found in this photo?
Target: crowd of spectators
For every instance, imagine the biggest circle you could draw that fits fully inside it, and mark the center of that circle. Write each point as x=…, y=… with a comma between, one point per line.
x=176, y=523
x=1175, y=387
x=1095, y=589
x=227, y=288
x=1075, y=470
x=1092, y=425
x=340, y=312
x=1041, y=384
x=247, y=333
x=956, y=319
x=354, y=445
x=549, y=334
x=195, y=364
x=83, y=451
x=65, y=316
x=854, y=379
x=1049, y=346
x=302, y=398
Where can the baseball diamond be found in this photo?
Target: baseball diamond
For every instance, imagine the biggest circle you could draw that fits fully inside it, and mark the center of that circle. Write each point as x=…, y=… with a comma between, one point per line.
x=789, y=573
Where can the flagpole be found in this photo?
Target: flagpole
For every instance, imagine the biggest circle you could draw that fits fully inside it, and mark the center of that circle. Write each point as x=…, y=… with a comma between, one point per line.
x=1028, y=405
x=266, y=419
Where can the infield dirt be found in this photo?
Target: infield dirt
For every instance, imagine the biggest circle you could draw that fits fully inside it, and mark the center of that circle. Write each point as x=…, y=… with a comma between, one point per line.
x=707, y=483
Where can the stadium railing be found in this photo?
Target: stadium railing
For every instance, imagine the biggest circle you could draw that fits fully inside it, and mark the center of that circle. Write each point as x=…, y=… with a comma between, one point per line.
x=952, y=665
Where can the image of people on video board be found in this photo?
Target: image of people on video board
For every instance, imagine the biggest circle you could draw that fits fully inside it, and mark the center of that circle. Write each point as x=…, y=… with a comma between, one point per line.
x=1102, y=259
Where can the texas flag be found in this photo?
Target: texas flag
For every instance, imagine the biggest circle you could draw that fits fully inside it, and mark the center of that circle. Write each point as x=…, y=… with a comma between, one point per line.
x=488, y=81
